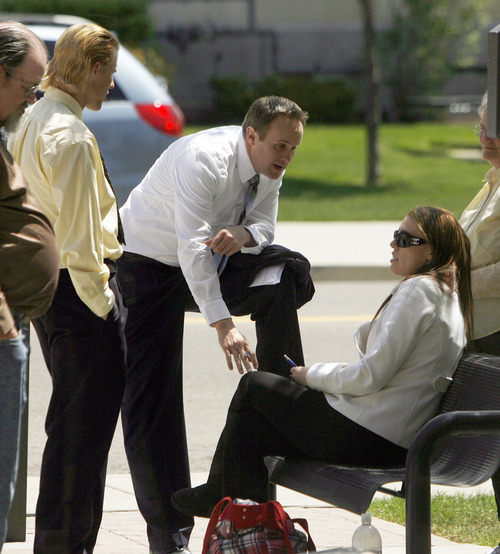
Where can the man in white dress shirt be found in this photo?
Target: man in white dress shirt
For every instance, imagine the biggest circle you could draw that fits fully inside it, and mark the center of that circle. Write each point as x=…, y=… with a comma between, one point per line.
x=199, y=230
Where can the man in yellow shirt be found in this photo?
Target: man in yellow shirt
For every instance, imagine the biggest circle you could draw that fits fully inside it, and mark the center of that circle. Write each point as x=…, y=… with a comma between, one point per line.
x=82, y=334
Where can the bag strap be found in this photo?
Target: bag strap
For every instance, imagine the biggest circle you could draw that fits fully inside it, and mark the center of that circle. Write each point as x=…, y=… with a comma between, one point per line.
x=281, y=518
x=282, y=522
x=311, y=547
x=214, y=518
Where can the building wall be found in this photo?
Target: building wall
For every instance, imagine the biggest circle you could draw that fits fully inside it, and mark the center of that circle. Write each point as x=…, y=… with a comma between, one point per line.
x=242, y=13
x=255, y=38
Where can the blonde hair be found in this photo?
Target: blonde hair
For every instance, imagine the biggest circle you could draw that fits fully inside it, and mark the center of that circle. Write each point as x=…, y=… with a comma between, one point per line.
x=75, y=53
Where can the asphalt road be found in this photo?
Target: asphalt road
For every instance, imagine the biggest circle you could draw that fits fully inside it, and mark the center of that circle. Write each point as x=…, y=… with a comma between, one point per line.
x=327, y=325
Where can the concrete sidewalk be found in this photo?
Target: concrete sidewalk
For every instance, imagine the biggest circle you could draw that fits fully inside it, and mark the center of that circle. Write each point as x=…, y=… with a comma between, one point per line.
x=348, y=250
x=123, y=530
x=337, y=251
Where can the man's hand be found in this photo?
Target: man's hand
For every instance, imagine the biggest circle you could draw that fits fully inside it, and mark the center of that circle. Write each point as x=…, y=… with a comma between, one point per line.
x=230, y=240
x=11, y=334
x=298, y=374
x=235, y=345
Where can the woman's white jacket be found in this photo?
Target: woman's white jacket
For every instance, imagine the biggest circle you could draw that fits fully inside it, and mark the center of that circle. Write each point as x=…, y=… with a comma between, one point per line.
x=406, y=356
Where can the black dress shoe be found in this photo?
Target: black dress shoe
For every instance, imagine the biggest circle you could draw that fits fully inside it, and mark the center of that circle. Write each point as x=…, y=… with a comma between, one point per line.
x=196, y=502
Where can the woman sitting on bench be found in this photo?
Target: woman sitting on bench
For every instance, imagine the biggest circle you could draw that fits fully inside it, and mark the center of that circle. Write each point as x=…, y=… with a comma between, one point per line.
x=367, y=412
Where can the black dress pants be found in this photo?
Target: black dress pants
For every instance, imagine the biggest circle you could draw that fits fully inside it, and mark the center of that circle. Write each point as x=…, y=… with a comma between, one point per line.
x=86, y=358
x=157, y=297
x=272, y=415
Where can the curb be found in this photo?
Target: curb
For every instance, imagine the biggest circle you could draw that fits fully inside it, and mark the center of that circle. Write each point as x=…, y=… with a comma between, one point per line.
x=351, y=273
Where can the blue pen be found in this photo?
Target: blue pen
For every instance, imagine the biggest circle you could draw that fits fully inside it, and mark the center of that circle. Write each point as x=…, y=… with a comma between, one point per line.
x=289, y=360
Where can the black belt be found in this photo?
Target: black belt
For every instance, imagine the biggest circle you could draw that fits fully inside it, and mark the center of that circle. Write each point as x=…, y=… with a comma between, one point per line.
x=132, y=256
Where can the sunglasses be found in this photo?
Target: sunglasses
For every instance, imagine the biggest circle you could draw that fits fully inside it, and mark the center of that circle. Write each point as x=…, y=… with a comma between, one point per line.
x=404, y=239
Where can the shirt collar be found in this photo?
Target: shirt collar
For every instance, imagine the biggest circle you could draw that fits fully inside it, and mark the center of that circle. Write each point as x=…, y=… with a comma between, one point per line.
x=493, y=175
x=244, y=165
x=58, y=95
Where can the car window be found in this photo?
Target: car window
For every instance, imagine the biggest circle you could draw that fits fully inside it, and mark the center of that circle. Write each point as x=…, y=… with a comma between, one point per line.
x=50, y=47
x=116, y=93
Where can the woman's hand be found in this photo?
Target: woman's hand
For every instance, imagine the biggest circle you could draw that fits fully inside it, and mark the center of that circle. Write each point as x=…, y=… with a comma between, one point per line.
x=298, y=374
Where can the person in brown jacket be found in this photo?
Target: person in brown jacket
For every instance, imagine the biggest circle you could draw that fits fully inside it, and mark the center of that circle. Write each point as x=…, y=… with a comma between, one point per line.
x=82, y=334
x=29, y=263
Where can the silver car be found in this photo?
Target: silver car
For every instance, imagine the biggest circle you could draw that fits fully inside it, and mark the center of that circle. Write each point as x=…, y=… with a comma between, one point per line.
x=137, y=122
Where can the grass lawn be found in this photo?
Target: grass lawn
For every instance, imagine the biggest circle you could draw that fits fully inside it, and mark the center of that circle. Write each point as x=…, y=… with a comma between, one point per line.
x=460, y=518
x=325, y=181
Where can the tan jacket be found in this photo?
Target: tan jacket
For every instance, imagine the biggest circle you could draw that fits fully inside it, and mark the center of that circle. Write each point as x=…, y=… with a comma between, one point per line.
x=481, y=222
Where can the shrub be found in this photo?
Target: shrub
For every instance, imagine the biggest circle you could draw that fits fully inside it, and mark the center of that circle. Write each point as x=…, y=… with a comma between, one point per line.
x=328, y=100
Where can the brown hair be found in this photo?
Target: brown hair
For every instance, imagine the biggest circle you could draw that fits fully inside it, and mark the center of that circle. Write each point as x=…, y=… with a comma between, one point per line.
x=266, y=109
x=450, y=265
x=16, y=41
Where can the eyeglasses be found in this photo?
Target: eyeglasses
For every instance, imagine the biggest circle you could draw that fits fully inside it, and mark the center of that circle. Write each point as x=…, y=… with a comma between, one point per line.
x=404, y=239
x=28, y=90
x=479, y=130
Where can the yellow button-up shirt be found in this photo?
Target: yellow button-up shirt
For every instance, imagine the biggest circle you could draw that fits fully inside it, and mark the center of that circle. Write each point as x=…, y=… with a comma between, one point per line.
x=60, y=160
x=481, y=222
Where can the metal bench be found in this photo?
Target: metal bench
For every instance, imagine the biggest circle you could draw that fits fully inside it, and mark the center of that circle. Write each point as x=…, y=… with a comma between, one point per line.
x=460, y=446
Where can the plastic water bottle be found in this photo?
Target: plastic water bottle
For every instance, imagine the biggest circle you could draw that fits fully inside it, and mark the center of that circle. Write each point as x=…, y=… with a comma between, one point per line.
x=366, y=538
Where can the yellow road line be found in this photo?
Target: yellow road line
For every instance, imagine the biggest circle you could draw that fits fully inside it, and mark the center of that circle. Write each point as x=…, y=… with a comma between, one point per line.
x=334, y=318
x=192, y=319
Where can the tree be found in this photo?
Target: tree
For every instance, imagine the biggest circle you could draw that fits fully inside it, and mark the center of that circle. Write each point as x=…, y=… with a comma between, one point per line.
x=372, y=95
x=426, y=42
x=128, y=18
x=429, y=39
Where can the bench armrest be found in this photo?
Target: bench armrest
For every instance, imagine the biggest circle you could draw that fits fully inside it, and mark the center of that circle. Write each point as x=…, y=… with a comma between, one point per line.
x=418, y=467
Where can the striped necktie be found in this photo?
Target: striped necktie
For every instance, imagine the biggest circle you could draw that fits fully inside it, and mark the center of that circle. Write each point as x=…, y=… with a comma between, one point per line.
x=253, y=184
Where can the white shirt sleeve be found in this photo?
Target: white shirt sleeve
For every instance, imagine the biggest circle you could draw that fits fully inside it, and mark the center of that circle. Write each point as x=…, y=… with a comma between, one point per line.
x=196, y=183
x=196, y=188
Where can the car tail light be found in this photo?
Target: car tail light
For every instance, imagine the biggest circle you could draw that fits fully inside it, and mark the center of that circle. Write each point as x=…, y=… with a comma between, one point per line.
x=166, y=118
